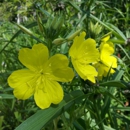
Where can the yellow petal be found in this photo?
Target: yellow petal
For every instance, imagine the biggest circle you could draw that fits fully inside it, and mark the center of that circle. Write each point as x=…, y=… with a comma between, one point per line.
x=108, y=70
x=51, y=93
x=109, y=61
x=106, y=55
x=63, y=75
x=34, y=58
x=85, y=71
x=107, y=49
x=87, y=52
x=76, y=44
x=108, y=45
x=106, y=37
x=59, y=68
x=103, y=70
x=99, y=68
x=60, y=60
x=23, y=92
x=19, y=80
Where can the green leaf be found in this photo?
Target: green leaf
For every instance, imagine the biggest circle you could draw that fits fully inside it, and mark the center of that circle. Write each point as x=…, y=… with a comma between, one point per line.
x=118, y=31
x=124, y=51
x=105, y=92
x=108, y=128
x=1, y=121
x=121, y=108
x=113, y=84
x=123, y=118
x=6, y=96
x=118, y=74
x=117, y=41
x=45, y=12
x=64, y=48
x=74, y=5
x=0, y=61
x=0, y=57
x=78, y=125
x=43, y=117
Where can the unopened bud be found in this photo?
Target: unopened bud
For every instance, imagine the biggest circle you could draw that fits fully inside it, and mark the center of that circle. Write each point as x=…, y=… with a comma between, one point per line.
x=39, y=22
x=71, y=37
x=25, y=29
x=58, y=41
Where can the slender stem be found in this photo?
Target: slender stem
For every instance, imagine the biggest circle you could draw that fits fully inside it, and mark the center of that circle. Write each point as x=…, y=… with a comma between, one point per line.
x=98, y=120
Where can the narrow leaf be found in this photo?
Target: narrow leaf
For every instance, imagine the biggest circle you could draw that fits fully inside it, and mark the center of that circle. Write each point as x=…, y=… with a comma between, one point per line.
x=118, y=31
x=113, y=84
x=6, y=96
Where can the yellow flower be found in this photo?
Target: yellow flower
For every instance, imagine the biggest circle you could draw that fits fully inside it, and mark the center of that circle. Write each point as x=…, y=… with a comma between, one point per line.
x=108, y=61
x=106, y=54
x=40, y=79
x=103, y=70
x=83, y=53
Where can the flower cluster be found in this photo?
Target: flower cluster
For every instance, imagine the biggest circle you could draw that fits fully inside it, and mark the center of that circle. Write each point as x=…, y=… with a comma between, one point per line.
x=107, y=60
x=42, y=73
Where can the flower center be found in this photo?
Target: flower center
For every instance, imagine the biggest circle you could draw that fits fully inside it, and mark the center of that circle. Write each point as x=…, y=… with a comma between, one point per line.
x=41, y=72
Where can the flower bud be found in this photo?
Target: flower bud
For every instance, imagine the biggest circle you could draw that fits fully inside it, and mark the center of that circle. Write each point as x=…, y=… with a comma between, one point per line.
x=71, y=37
x=58, y=41
x=24, y=29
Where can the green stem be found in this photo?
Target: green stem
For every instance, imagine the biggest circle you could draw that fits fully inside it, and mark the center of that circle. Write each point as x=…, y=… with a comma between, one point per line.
x=98, y=120
x=111, y=120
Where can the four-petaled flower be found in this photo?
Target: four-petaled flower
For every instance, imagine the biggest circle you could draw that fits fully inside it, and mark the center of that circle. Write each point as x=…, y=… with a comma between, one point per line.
x=41, y=76
x=83, y=53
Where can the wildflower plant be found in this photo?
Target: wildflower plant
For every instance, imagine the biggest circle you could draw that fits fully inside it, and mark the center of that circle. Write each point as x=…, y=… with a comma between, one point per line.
x=62, y=74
